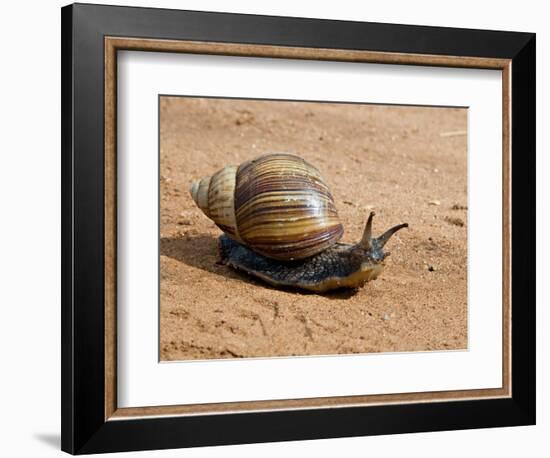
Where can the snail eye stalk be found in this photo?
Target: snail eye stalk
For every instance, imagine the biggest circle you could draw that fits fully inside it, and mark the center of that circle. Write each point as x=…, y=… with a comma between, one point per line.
x=366, y=240
x=382, y=240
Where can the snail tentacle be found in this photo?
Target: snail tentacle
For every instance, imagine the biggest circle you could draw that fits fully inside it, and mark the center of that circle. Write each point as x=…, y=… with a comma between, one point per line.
x=383, y=239
x=366, y=240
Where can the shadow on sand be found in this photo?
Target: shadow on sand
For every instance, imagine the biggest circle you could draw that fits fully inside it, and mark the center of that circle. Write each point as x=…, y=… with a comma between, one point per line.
x=201, y=251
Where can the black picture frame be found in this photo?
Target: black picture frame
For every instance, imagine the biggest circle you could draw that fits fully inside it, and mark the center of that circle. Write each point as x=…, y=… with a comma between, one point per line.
x=84, y=427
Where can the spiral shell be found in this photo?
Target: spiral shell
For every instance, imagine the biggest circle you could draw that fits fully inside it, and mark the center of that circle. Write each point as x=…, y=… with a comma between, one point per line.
x=276, y=204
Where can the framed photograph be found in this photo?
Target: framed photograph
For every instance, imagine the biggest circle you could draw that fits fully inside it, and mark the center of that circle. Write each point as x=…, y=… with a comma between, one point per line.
x=233, y=186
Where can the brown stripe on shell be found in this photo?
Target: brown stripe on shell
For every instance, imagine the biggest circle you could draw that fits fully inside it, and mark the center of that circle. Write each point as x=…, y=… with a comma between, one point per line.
x=306, y=247
x=215, y=197
x=283, y=208
x=199, y=192
x=228, y=230
x=221, y=208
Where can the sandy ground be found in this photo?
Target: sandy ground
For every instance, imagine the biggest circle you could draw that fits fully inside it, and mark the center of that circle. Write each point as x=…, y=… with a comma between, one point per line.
x=409, y=164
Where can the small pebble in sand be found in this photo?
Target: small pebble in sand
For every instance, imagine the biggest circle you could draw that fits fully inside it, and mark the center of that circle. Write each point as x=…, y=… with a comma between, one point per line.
x=431, y=268
x=459, y=207
x=434, y=202
x=386, y=317
x=454, y=133
x=454, y=221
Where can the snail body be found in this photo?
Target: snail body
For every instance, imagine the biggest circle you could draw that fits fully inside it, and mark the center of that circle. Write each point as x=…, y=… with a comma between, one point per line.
x=281, y=225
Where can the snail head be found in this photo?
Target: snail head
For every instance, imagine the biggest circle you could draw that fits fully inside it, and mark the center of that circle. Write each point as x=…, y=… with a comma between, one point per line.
x=372, y=247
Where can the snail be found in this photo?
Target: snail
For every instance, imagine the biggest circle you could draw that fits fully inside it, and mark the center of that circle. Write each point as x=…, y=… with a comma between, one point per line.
x=280, y=224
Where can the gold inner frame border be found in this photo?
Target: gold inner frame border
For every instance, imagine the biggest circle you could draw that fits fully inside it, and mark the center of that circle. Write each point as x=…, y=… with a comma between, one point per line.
x=114, y=44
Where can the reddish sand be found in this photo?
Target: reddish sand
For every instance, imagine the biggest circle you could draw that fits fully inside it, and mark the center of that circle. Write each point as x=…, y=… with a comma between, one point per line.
x=409, y=164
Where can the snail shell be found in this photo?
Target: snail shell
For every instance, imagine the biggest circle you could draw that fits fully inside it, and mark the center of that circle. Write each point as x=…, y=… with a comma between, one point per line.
x=277, y=204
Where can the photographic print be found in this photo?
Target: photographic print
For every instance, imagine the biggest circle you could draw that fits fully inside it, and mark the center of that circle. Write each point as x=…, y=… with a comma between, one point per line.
x=296, y=228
